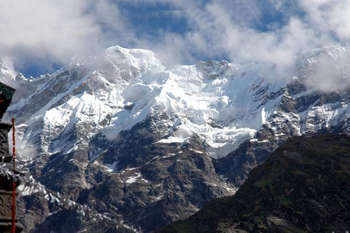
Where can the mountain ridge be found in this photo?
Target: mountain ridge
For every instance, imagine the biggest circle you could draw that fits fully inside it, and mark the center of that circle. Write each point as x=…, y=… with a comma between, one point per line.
x=110, y=122
x=302, y=187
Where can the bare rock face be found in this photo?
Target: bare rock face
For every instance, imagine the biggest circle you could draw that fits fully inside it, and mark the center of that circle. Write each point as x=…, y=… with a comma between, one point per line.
x=123, y=141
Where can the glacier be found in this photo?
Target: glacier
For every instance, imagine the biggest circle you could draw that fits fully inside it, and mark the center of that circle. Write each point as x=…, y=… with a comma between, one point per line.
x=224, y=111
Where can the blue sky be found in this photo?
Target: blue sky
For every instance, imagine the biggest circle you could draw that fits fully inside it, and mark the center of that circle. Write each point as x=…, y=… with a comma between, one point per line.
x=149, y=19
x=41, y=36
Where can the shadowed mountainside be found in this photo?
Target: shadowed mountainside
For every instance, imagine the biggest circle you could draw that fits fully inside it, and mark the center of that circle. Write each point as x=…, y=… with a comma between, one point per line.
x=303, y=186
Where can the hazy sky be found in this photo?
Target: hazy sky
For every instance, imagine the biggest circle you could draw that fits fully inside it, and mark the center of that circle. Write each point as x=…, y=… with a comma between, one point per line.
x=40, y=35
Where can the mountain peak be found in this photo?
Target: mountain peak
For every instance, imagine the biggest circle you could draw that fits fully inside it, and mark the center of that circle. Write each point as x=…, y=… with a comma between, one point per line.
x=139, y=58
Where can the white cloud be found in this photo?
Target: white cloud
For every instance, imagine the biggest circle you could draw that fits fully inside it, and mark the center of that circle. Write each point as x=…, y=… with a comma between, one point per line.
x=56, y=30
x=331, y=17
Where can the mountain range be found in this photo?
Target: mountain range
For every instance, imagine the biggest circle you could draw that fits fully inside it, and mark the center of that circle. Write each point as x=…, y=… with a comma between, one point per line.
x=122, y=142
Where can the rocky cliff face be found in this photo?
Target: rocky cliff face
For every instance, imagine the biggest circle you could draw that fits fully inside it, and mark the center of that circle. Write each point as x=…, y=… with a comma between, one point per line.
x=302, y=187
x=127, y=139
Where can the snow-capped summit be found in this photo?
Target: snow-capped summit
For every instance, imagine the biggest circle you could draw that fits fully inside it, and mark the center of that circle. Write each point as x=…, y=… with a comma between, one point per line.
x=325, y=68
x=140, y=59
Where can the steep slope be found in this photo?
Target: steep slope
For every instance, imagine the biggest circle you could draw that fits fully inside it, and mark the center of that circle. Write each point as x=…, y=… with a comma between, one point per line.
x=137, y=141
x=302, y=187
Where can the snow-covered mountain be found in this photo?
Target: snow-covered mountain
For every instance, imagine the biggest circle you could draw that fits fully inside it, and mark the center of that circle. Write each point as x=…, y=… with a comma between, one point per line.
x=134, y=141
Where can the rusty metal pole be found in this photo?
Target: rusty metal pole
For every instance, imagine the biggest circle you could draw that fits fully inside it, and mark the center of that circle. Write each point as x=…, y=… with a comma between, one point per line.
x=14, y=181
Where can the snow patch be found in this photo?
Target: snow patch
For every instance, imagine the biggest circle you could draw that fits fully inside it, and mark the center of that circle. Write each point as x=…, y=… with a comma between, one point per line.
x=133, y=179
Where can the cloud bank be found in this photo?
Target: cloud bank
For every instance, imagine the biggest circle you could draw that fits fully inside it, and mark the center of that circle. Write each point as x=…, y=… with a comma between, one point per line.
x=271, y=31
x=231, y=28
